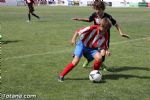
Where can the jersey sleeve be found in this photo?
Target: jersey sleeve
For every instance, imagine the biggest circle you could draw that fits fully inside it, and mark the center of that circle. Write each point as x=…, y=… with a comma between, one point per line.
x=82, y=30
x=113, y=21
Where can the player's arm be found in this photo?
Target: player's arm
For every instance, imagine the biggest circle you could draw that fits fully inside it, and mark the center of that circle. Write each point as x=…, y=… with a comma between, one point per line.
x=74, y=37
x=114, y=23
x=120, y=31
x=79, y=32
x=81, y=19
x=90, y=19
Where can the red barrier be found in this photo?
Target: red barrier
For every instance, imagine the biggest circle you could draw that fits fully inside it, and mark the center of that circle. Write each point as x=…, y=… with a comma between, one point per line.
x=2, y=1
x=148, y=4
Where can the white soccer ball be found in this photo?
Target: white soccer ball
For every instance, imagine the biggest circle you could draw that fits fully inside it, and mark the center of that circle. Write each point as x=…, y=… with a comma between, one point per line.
x=95, y=76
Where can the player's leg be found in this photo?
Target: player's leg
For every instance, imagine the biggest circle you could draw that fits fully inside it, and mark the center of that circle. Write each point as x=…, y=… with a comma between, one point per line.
x=32, y=12
x=68, y=68
x=103, y=66
x=97, y=61
x=94, y=53
x=35, y=15
x=87, y=60
x=29, y=16
x=78, y=54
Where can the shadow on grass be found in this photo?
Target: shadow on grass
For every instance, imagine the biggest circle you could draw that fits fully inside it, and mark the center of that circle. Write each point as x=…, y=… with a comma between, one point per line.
x=77, y=79
x=125, y=76
x=125, y=68
x=82, y=79
x=113, y=77
x=40, y=21
x=10, y=41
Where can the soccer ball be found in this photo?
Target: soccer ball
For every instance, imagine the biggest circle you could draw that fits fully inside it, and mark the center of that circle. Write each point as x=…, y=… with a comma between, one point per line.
x=95, y=76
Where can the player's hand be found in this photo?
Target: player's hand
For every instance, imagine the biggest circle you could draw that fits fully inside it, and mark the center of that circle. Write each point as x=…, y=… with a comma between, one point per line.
x=125, y=35
x=107, y=53
x=73, y=42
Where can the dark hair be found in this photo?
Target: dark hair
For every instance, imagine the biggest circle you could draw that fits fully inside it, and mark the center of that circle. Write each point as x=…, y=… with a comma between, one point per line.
x=99, y=4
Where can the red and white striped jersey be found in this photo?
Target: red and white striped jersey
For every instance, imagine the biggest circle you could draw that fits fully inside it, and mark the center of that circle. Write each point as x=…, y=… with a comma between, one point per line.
x=92, y=37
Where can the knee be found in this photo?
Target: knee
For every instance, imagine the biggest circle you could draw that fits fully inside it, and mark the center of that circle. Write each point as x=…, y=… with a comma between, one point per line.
x=75, y=61
x=98, y=57
x=103, y=52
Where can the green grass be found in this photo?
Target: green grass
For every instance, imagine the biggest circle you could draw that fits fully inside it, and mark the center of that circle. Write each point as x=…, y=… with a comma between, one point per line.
x=33, y=54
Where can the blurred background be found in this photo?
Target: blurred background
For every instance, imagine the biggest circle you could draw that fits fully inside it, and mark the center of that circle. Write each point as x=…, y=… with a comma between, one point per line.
x=112, y=3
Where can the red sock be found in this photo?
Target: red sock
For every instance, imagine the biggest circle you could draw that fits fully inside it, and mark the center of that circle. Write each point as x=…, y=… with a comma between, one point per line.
x=97, y=65
x=66, y=70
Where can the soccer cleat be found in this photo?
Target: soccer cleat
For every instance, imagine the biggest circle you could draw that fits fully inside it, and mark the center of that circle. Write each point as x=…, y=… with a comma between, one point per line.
x=103, y=67
x=60, y=79
x=28, y=21
x=85, y=64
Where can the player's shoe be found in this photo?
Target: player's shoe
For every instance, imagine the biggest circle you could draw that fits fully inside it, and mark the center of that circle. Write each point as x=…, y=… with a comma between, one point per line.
x=104, y=67
x=85, y=64
x=60, y=79
x=28, y=21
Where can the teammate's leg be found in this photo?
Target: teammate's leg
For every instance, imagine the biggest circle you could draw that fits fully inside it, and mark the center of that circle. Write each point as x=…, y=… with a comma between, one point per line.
x=103, y=66
x=29, y=17
x=35, y=15
x=87, y=60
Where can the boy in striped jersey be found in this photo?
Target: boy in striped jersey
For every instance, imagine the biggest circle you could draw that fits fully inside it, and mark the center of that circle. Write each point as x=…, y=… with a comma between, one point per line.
x=91, y=38
x=99, y=7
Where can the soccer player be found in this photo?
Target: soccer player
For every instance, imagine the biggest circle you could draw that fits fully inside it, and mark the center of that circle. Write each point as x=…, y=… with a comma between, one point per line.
x=91, y=38
x=31, y=10
x=96, y=17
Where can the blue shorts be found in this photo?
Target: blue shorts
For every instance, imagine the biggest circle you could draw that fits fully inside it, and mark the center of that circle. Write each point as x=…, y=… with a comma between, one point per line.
x=80, y=49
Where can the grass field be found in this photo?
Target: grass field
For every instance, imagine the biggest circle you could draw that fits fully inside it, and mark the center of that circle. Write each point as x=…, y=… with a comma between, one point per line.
x=33, y=54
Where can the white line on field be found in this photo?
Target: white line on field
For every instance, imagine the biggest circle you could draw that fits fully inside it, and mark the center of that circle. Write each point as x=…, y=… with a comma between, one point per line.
x=132, y=40
x=63, y=51
x=38, y=54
